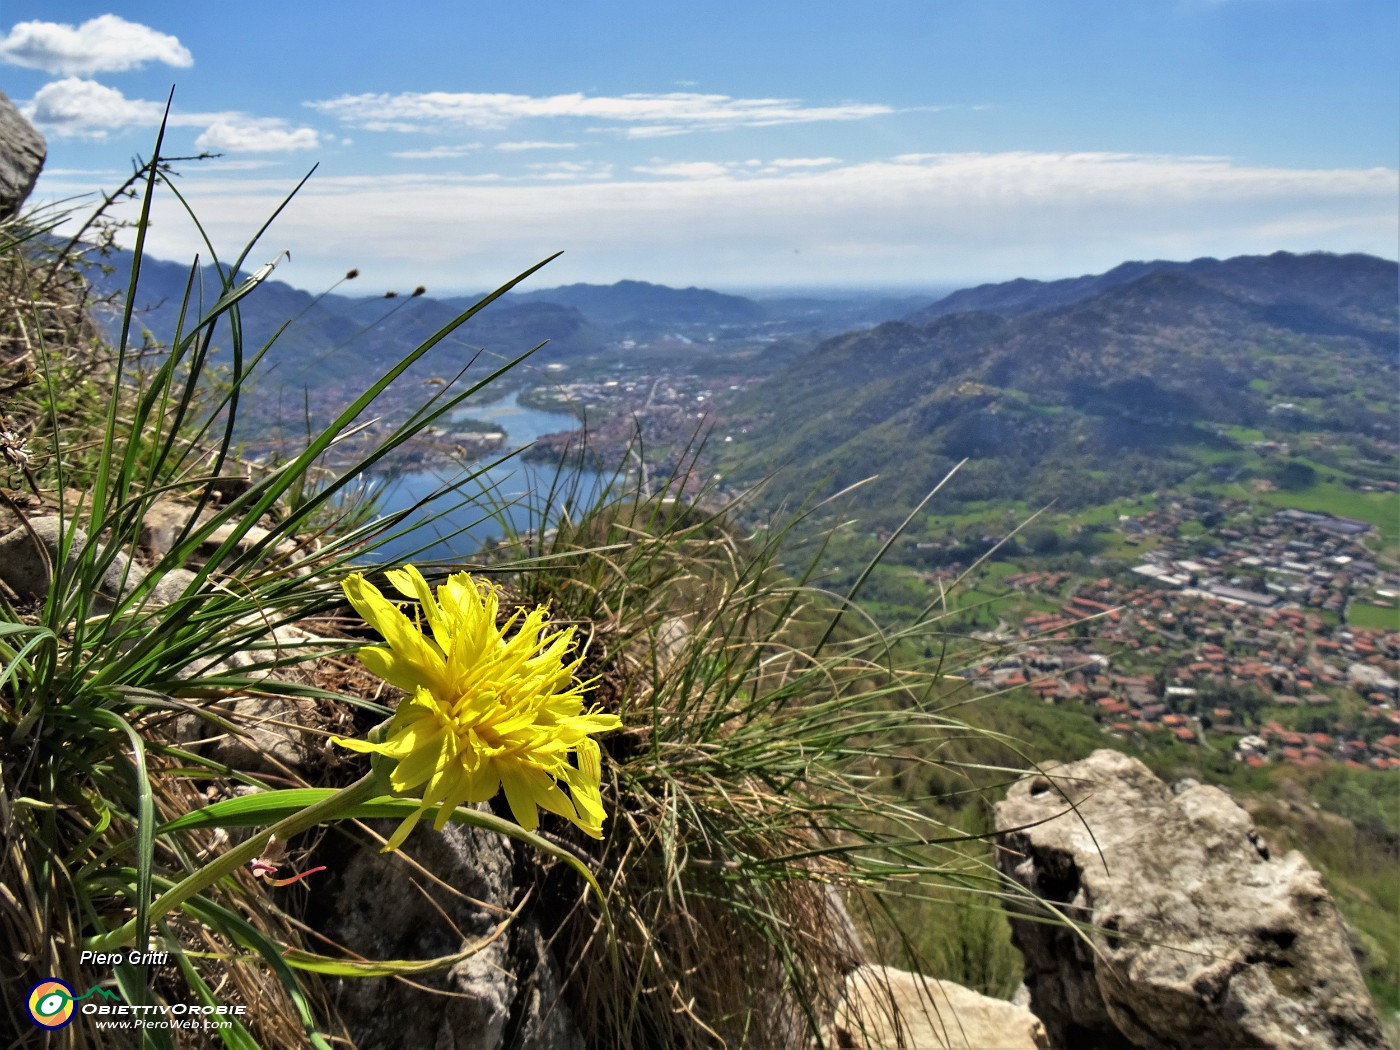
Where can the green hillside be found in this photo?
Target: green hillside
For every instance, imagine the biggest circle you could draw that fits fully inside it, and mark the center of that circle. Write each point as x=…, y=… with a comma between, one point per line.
x=1129, y=390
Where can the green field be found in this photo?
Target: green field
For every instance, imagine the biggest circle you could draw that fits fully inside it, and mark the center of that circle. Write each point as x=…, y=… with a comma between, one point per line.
x=1381, y=509
x=1377, y=617
x=1244, y=435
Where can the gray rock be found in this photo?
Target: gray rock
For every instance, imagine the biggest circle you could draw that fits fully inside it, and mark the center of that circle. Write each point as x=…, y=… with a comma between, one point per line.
x=254, y=538
x=28, y=555
x=162, y=523
x=26, y=566
x=885, y=1009
x=165, y=520
x=274, y=734
x=271, y=742
x=22, y=153
x=1194, y=934
x=269, y=738
x=173, y=584
x=505, y=995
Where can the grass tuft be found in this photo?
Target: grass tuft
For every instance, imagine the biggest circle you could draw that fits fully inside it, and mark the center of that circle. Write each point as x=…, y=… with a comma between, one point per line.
x=760, y=829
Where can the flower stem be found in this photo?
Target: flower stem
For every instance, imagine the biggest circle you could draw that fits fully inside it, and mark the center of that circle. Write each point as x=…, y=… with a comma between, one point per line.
x=362, y=790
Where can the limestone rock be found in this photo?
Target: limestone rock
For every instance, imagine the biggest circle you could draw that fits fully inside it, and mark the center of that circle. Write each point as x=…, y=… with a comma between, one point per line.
x=162, y=524
x=270, y=738
x=886, y=1009
x=276, y=735
x=173, y=584
x=165, y=520
x=506, y=995
x=673, y=637
x=1195, y=935
x=22, y=153
x=254, y=538
x=27, y=557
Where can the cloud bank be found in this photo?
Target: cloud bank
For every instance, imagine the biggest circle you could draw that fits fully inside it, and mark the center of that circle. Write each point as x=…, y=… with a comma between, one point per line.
x=86, y=109
x=916, y=219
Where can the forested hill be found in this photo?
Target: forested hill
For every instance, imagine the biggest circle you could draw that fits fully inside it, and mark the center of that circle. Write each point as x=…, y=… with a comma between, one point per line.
x=1330, y=283
x=640, y=304
x=1117, y=386
x=335, y=338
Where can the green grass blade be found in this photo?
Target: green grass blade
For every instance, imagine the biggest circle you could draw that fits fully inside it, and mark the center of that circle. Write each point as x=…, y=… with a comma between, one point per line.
x=145, y=818
x=235, y=1036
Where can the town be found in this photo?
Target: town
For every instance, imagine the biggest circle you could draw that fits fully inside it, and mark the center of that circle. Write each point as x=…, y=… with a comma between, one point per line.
x=1235, y=637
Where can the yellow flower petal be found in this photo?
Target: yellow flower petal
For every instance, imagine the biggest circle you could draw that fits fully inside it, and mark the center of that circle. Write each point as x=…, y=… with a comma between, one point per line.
x=492, y=706
x=401, y=832
x=409, y=660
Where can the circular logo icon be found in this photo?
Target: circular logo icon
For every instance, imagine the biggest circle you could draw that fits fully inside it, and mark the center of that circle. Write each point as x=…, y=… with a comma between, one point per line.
x=51, y=1003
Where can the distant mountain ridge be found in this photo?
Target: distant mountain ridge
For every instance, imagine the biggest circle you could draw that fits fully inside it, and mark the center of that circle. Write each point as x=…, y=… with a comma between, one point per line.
x=1315, y=279
x=640, y=302
x=573, y=320
x=1119, y=378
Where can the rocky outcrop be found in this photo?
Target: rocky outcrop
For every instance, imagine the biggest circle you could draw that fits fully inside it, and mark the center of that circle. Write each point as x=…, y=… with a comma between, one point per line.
x=1190, y=933
x=22, y=153
x=270, y=734
x=167, y=521
x=505, y=995
x=885, y=1009
x=30, y=551
x=278, y=735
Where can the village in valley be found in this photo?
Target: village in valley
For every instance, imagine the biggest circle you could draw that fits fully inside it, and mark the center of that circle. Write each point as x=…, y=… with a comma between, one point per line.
x=1235, y=637
x=1268, y=632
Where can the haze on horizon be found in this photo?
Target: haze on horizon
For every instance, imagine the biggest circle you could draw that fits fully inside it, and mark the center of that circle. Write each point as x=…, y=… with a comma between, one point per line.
x=910, y=146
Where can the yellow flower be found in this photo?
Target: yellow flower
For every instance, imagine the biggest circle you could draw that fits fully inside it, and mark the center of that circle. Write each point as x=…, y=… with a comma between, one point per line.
x=484, y=711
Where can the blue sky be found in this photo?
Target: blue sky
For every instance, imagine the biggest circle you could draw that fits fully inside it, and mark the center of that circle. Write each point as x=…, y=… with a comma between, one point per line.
x=808, y=144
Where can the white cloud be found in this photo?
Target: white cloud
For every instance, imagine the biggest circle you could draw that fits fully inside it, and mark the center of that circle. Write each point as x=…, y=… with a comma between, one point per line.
x=642, y=115
x=519, y=147
x=694, y=169
x=949, y=218
x=95, y=173
x=706, y=169
x=571, y=169
x=804, y=162
x=78, y=108
x=221, y=164
x=437, y=152
x=84, y=108
x=106, y=44
x=255, y=135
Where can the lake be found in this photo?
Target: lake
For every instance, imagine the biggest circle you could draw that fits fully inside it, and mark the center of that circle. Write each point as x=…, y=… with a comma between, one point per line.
x=453, y=525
